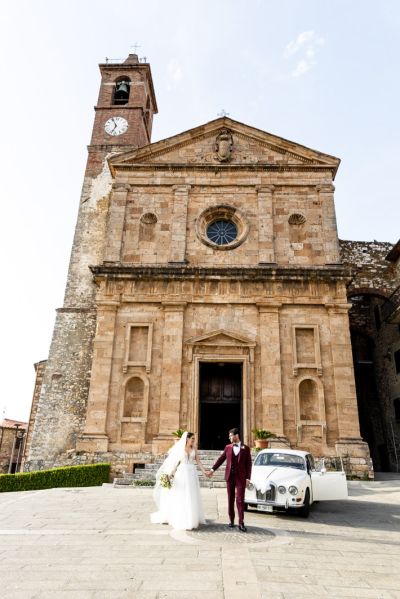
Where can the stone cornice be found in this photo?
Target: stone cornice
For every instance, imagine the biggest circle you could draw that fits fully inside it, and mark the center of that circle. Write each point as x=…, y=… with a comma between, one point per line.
x=261, y=273
x=218, y=168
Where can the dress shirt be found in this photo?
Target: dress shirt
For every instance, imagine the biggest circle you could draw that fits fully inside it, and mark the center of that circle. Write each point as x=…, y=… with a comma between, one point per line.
x=236, y=448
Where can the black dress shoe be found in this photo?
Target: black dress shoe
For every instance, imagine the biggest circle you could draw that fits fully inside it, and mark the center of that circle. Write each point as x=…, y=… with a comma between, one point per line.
x=231, y=525
x=242, y=528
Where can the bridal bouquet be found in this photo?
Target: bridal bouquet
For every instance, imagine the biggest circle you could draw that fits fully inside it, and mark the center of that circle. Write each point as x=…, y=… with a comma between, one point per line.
x=165, y=481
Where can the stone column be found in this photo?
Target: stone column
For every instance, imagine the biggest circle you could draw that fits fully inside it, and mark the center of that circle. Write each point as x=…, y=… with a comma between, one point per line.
x=265, y=197
x=271, y=382
x=94, y=438
x=171, y=377
x=331, y=242
x=179, y=222
x=116, y=220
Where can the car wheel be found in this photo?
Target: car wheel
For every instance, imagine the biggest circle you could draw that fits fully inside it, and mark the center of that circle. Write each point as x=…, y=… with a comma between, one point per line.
x=304, y=511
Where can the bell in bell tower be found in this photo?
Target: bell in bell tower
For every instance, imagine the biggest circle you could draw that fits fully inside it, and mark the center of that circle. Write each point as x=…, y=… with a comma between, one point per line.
x=121, y=92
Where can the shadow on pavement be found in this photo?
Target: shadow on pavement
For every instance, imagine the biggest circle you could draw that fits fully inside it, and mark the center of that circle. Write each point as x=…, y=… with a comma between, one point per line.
x=354, y=513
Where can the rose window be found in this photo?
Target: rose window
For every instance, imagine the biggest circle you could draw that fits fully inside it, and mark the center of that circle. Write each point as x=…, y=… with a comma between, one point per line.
x=222, y=227
x=222, y=232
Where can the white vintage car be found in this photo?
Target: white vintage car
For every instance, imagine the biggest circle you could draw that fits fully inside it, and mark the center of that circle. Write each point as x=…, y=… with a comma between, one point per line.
x=286, y=480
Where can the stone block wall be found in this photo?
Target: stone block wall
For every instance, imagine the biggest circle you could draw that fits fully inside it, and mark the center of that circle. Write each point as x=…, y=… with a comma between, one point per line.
x=375, y=340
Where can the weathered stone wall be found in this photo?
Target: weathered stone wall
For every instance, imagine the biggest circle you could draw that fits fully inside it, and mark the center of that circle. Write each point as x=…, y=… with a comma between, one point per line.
x=312, y=243
x=40, y=368
x=370, y=268
x=61, y=410
x=375, y=339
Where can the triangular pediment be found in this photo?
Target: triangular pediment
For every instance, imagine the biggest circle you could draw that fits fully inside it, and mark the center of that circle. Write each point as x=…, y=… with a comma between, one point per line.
x=221, y=337
x=244, y=145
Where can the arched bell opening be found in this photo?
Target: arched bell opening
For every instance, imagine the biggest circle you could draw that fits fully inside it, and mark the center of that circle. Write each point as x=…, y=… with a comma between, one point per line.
x=121, y=91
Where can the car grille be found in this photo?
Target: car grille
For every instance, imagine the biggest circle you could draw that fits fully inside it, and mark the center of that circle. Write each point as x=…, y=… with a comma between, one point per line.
x=269, y=495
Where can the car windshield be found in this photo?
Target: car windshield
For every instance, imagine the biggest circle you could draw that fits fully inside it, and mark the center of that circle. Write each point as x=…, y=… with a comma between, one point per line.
x=285, y=460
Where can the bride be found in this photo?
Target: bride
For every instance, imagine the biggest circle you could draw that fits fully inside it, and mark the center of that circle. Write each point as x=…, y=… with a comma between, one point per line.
x=180, y=505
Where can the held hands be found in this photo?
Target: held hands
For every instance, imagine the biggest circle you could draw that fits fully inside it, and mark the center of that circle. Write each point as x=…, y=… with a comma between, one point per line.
x=209, y=473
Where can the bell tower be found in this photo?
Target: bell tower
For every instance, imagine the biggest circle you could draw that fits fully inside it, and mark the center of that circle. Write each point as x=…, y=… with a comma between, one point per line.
x=123, y=121
x=125, y=107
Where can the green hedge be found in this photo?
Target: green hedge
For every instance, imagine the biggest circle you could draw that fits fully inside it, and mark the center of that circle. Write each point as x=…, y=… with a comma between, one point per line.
x=90, y=475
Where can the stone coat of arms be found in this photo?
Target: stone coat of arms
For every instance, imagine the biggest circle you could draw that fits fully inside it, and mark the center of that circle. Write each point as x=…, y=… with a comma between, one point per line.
x=224, y=145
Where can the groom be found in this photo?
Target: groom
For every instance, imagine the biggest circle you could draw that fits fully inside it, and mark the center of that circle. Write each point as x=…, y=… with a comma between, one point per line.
x=237, y=475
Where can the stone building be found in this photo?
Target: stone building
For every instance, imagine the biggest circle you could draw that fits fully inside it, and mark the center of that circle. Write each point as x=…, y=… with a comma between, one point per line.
x=374, y=293
x=12, y=441
x=205, y=290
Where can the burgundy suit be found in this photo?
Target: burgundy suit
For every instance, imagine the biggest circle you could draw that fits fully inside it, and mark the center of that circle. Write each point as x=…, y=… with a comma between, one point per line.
x=237, y=470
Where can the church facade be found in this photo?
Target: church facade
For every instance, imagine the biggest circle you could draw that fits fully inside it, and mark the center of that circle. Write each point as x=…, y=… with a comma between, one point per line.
x=205, y=291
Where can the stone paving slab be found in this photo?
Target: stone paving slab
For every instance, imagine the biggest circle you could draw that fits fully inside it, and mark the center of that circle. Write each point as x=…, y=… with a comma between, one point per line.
x=98, y=543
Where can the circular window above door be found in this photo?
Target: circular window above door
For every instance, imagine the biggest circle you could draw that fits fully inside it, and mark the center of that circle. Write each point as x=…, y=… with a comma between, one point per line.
x=222, y=227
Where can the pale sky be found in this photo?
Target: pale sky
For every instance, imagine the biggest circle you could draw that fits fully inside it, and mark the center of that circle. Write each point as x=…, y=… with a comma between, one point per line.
x=323, y=74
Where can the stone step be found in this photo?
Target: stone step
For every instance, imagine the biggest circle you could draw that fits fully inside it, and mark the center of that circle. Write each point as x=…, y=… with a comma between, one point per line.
x=208, y=484
x=207, y=457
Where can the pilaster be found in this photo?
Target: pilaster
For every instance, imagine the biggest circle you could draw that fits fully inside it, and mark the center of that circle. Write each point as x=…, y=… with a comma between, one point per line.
x=116, y=219
x=171, y=378
x=265, y=197
x=343, y=374
x=178, y=223
x=331, y=242
x=271, y=380
x=94, y=438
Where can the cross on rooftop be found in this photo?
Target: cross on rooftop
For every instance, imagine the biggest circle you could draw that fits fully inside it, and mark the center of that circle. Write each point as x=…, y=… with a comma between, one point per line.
x=135, y=47
x=223, y=113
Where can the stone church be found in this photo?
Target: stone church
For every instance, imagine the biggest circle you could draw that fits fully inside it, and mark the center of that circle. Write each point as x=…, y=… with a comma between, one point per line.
x=205, y=290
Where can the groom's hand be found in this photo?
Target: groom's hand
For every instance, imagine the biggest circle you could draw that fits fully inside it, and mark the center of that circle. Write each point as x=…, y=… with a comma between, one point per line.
x=210, y=473
x=248, y=483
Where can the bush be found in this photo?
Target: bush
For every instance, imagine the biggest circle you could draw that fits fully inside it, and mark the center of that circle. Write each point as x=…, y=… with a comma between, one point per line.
x=144, y=483
x=90, y=475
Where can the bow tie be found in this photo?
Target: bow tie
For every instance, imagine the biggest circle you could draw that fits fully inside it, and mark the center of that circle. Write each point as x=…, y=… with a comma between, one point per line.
x=236, y=444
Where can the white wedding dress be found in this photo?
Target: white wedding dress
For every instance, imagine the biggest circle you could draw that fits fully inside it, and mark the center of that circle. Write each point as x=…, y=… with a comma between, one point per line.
x=181, y=505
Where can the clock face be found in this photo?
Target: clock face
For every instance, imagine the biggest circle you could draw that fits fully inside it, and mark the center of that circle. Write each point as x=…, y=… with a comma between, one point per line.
x=116, y=125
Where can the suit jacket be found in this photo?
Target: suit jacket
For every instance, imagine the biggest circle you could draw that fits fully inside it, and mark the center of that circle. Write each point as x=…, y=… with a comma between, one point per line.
x=244, y=462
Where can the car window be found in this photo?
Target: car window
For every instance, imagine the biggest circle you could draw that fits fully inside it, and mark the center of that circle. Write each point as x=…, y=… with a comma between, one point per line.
x=280, y=459
x=310, y=462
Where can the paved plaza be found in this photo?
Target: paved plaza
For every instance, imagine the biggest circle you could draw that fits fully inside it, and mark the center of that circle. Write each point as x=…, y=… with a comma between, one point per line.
x=98, y=543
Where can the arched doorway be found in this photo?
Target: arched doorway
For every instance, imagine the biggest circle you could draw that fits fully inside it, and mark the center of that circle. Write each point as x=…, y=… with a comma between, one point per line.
x=220, y=402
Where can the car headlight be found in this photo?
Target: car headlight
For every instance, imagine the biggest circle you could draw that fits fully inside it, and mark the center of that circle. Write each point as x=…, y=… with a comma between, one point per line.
x=282, y=489
x=293, y=490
